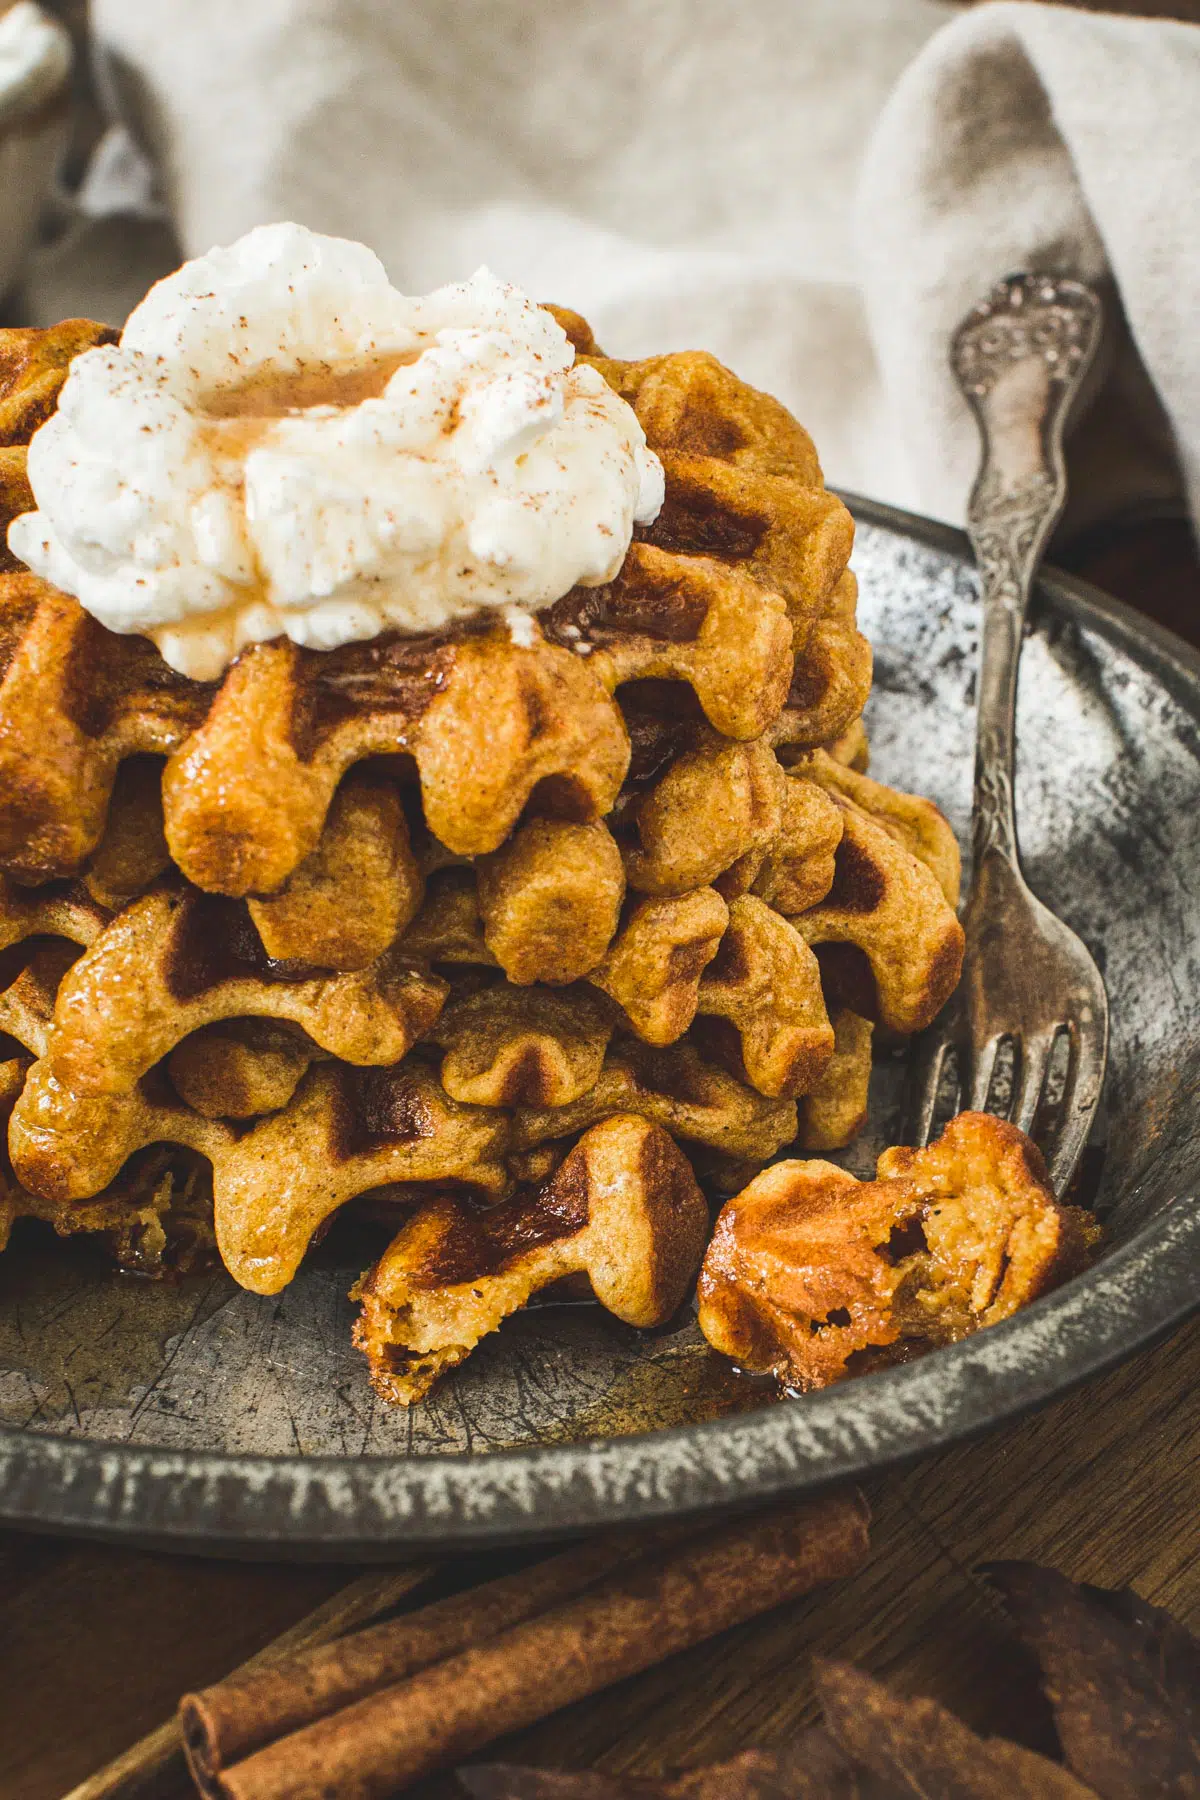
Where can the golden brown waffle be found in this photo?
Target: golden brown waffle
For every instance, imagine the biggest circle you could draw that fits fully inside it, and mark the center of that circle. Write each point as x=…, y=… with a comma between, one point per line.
x=176, y=960
x=622, y=1210
x=833, y=1112
x=654, y=966
x=33, y=367
x=889, y=942
x=677, y=1088
x=809, y=1268
x=550, y=899
x=717, y=803
x=747, y=558
x=345, y=1131
x=762, y=993
x=253, y=765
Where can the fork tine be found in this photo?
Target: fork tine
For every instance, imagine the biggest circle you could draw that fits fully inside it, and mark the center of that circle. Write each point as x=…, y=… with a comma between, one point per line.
x=977, y=1076
x=924, y=1079
x=1081, y=1095
x=1035, y=1053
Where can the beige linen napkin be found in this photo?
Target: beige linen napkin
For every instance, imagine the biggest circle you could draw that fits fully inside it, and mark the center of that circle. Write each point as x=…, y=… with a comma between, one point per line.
x=681, y=171
x=1028, y=136
x=685, y=174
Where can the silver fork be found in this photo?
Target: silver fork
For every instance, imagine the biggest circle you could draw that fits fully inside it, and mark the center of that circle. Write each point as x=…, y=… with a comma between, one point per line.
x=1020, y=358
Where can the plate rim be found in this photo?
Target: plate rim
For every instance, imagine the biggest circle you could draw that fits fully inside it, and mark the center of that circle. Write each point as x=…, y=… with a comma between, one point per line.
x=384, y=1507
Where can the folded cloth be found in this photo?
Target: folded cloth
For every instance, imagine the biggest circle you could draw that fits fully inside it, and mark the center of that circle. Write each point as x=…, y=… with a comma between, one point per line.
x=685, y=175
x=682, y=173
x=1036, y=137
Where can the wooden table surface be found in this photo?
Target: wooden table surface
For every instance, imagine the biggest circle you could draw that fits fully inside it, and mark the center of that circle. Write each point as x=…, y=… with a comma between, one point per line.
x=97, y=1643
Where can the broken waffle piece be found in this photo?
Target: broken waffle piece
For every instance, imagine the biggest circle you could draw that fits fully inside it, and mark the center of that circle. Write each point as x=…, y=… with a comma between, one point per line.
x=888, y=910
x=765, y=983
x=810, y=1269
x=623, y=1209
x=550, y=899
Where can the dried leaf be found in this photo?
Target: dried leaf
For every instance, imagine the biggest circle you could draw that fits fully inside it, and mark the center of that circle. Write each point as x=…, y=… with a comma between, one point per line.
x=1123, y=1678
x=515, y=1781
x=926, y=1751
x=813, y=1768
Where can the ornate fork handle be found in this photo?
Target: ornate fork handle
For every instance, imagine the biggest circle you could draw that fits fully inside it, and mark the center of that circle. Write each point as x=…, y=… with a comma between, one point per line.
x=1020, y=358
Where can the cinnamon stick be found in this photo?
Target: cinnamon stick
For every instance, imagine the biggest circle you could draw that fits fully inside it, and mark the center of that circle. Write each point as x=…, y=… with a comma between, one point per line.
x=646, y=1611
x=224, y=1723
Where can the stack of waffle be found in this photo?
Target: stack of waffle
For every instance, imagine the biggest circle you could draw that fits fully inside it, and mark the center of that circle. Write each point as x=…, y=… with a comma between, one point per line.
x=408, y=924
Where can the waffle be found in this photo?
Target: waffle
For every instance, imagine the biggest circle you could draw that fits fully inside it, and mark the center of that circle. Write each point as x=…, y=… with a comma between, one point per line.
x=176, y=960
x=812, y=1274
x=889, y=942
x=677, y=1088
x=252, y=766
x=461, y=926
x=655, y=963
x=746, y=564
x=622, y=1210
x=834, y=1110
x=717, y=803
x=33, y=367
x=344, y=1132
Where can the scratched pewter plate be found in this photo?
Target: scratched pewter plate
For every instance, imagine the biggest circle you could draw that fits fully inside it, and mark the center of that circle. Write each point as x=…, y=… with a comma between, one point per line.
x=201, y=1417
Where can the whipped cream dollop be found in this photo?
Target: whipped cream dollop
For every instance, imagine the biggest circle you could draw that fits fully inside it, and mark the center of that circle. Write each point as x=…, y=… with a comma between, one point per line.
x=283, y=443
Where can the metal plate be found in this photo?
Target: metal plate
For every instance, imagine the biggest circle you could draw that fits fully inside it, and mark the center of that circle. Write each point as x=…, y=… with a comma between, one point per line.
x=201, y=1417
